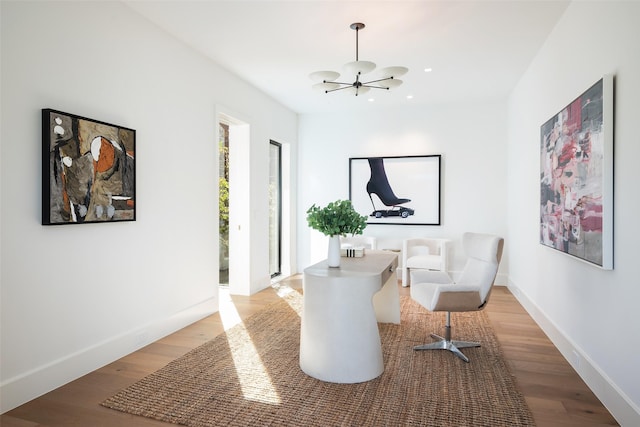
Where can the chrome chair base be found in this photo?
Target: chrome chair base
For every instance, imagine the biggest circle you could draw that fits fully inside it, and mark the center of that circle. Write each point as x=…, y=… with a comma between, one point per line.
x=452, y=346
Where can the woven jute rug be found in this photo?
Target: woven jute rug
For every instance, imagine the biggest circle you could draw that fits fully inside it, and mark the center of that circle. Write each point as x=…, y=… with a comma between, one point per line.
x=250, y=376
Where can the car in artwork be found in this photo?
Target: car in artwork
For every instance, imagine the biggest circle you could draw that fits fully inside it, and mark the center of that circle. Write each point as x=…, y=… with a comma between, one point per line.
x=400, y=211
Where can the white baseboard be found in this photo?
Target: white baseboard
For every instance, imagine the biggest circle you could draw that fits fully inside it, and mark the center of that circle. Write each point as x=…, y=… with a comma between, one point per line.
x=25, y=387
x=618, y=403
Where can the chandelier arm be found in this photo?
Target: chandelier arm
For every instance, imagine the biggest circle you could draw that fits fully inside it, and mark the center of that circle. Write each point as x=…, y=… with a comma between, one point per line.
x=379, y=80
x=375, y=87
x=338, y=88
x=339, y=83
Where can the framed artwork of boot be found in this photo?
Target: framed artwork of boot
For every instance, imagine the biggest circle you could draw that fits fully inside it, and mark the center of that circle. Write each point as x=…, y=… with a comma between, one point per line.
x=396, y=190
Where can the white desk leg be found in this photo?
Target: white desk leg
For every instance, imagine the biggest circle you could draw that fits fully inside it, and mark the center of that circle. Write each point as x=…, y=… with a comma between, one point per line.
x=339, y=337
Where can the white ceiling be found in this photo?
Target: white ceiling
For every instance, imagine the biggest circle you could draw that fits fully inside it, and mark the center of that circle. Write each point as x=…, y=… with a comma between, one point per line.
x=477, y=49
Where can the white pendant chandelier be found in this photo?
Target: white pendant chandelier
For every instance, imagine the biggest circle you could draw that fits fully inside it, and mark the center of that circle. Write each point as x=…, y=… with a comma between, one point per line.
x=387, y=78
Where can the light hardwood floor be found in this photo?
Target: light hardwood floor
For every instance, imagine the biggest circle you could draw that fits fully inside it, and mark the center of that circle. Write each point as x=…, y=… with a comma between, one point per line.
x=555, y=393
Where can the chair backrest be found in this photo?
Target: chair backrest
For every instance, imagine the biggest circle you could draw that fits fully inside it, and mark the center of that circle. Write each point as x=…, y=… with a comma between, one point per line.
x=484, y=252
x=422, y=246
x=418, y=250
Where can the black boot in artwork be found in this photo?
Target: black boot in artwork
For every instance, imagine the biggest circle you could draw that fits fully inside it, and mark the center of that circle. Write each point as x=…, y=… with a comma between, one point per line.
x=379, y=185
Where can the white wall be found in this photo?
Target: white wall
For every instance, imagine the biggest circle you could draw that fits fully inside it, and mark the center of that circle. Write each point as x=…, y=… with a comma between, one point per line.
x=589, y=313
x=471, y=139
x=77, y=297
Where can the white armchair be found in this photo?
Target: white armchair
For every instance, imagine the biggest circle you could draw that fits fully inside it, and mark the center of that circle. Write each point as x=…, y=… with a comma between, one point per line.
x=423, y=254
x=436, y=291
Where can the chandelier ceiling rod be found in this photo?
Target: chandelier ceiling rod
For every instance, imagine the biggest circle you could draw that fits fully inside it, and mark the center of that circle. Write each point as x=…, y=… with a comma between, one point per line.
x=357, y=26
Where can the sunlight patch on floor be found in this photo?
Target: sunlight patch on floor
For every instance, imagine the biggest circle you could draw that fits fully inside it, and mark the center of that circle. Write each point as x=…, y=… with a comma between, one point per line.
x=228, y=313
x=291, y=297
x=255, y=382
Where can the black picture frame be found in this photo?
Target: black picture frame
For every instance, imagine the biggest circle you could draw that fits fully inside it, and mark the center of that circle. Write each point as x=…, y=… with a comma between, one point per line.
x=399, y=190
x=88, y=170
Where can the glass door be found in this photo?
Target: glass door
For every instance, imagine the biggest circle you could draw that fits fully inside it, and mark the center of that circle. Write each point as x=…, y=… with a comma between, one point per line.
x=275, y=207
x=223, y=203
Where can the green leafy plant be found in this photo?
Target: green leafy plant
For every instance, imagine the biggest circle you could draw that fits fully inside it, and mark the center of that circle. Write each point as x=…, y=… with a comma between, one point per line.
x=337, y=218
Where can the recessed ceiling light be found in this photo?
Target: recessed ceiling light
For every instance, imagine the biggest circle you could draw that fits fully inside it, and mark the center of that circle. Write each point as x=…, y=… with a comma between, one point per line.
x=371, y=100
x=409, y=96
x=428, y=70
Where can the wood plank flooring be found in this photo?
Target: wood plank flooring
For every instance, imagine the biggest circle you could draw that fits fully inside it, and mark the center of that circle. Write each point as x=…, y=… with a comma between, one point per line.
x=555, y=393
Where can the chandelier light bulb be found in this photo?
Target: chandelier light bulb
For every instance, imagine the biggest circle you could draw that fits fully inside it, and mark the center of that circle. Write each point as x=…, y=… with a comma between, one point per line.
x=320, y=76
x=391, y=83
x=393, y=72
x=359, y=67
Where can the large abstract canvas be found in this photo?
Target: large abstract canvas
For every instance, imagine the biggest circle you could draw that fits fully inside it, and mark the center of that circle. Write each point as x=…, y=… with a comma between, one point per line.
x=576, y=177
x=88, y=170
x=403, y=190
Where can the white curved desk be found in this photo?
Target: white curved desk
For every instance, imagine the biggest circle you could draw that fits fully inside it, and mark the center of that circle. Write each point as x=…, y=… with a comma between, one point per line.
x=339, y=338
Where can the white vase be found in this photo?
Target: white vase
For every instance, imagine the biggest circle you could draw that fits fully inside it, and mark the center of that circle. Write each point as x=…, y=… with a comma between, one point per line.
x=333, y=255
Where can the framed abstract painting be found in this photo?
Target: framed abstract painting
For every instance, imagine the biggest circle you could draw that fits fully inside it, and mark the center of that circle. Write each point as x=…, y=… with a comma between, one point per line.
x=88, y=170
x=576, y=177
x=402, y=190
